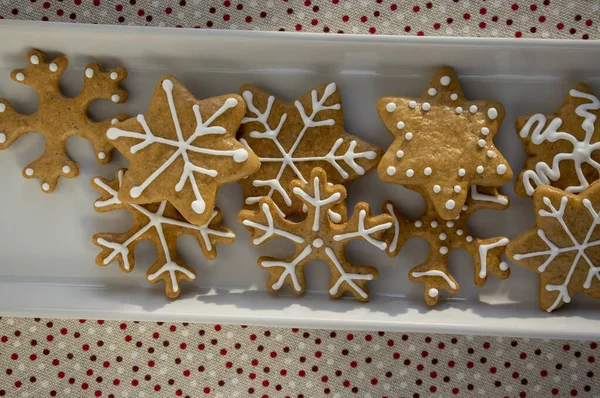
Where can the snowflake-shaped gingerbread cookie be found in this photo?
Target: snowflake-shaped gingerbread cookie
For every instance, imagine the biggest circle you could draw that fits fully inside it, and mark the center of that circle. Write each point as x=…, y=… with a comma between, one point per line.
x=446, y=236
x=59, y=117
x=182, y=150
x=443, y=143
x=317, y=237
x=291, y=138
x=563, y=147
x=564, y=245
x=161, y=224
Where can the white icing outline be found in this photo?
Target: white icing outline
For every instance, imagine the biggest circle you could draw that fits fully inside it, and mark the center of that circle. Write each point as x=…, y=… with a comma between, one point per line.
x=434, y=272
x=500, y=199
x=365, y=233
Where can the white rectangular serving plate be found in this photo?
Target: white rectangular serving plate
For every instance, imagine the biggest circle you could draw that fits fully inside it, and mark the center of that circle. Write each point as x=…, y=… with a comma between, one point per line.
x=47, y=257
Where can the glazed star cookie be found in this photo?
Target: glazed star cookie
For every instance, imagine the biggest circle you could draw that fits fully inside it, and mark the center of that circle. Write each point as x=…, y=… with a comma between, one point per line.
x=563, y=147
x=446, y=236
x=161, y=224
x=442, y=143
x=291, y=138
x=317, y=237
x=564, y=245
x=182, y=150
x=59, y=117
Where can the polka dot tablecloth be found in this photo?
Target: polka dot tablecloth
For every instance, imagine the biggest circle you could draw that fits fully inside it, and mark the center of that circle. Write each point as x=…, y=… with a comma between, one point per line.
x=79, y=358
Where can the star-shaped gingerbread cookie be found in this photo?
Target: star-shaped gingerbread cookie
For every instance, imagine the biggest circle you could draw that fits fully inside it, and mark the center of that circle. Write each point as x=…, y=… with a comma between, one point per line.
x=291, y=138
x=443, y=143
x=182, y=150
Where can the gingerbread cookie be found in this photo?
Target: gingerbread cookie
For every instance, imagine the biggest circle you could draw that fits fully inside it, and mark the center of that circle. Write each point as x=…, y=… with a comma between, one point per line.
x=291, y=138
x=161, y=224
x=59, y=117
x=564, y=245
x=317, y=237
x=182, y=150
x=442, y=143
x=563, y=147
x=444, y=237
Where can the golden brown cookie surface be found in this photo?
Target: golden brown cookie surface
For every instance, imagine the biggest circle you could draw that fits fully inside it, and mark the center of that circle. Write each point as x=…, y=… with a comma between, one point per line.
x=317, y=237
x=161, y=224
x=564, y=245
x=442, y=143
x=59, y=117
x=182, y=150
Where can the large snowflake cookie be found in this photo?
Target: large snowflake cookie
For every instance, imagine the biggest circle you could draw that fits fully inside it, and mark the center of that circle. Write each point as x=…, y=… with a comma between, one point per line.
x=182, y=150
x=291, y=138
x=317, y=237
x=563, y=147
x=446, y=236
x=564, y=245
x=161, y=224
x=59, y=117
x=443, y=143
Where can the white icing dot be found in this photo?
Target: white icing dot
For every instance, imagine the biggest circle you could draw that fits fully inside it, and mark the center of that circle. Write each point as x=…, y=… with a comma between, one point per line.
x=198, y=206
x=34, y=59
x=503, y=266
x=465, y=207
x=457, y=188
x=114, y=121
x=481, y=143
x=492, y=113
x=433, y=292
x=101, y=155
x=29, y=171
x=400, y=125
x=445, y=80
x=115, y=98
x=473, y=108
x=317, y=242
x=442, y=236
x=114, y=75
x=490, y=154
x=89, y=73
x=410, y=172
x=461, y=172
x=240, y=155
x=434, y=224
x=458, y=110
x=469, y=238
x=479, y=169
x=459, y=232
x=2, y=138
x=390, y=107
x=450, y=204
x=408, y=136
x=305, y=210
x=412, y=104
x=432, y=91
x=501, y=169
x=437, y=188
x=427, y=171
x=45, y=186
x=66, y=169
x=485, y=131
x=418, y=224
x=2, y=107
x=449, y=224
x=53, y=67
x=20, y=77
x=443, y=250
x=453, y=96
x=426, y=106
x=391, y=170
x=399, y=154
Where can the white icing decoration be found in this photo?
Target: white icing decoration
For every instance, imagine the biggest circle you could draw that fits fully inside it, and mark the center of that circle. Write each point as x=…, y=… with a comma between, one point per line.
x=408, y=136
x=53, y=67
x=464, y=208
x=2, y=107
x=459, y=232
x=450, y=204
x=45, y=186
x=483, y=251
x=427, y=171
x=270, y=229
x=469, y=239
x=461, y=172
x=481, y=143
x=443, y=236
x=114, y=75
x=492, y=113
x=66, y=169
x=490, y=154
x=479, y=169
x=34, y=59
x=503, y=200
x=410, y=172
x=400, y=125
x=115, y=98
x=581, y=152
x=316, y=201
x=318, y=242
x=114, y=121
x=2, y=138
x=365, y=233
x=432, y=91
x=433, y=292
x=444, y=250
x=399, y=154
x=89, y=73
x=577, y=248
x=437, y=188
x=394, y=243
x=450, y=224
x=101, y=155
x=453, y=96
x=436, y=273
x=445, y=80
x=501, y=169
x=418, y=224
x=458, y=110
x=346, y=277
x=434, y=224
x=20, y=77
x=503, y=266
x=29, y=171
x=412, y=104
x=391, y=170
x=457, y=188
x=390, y=107
x=485, y=131
x=426, y=106
x=289, y=269
x=182, y=146
x=473, y=108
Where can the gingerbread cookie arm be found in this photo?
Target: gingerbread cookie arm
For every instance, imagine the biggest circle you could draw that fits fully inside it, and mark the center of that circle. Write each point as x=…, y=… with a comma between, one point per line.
x=434, y=274
x=170, y=269
x=41, y=76
x=267, y=223
x=347, y=277
x=288, y=271
x=119, y=247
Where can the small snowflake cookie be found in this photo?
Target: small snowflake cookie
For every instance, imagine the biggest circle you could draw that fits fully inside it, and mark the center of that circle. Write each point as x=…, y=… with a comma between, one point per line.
x=564, y=245
x=182, y=150
x=443, y=143
x=563, y=147
x=59, y=117
x=317, y=237
x=446, y=236
x=161, y=224
x=291, y=138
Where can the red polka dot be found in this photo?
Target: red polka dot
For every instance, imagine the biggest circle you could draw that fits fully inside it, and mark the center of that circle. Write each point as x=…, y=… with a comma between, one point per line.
x=515, y=7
